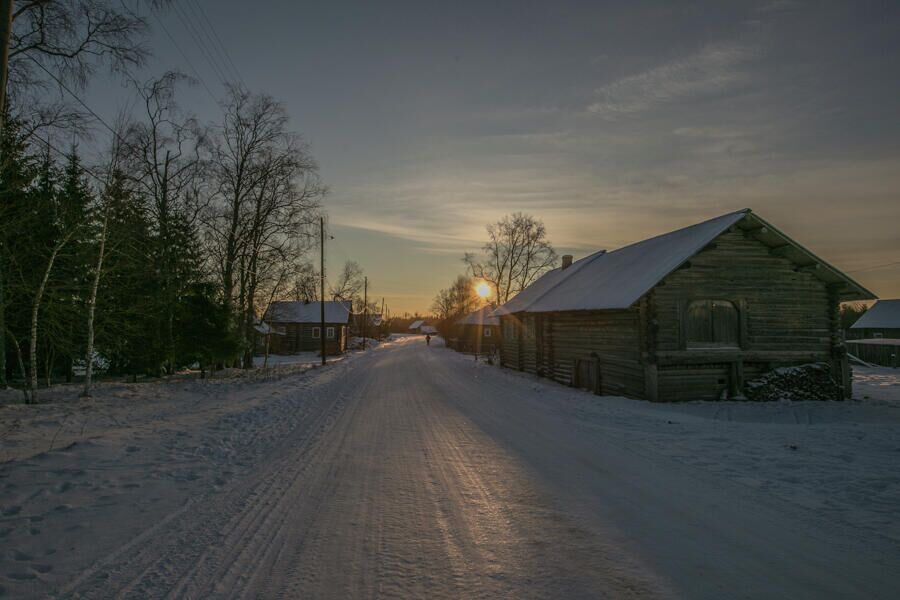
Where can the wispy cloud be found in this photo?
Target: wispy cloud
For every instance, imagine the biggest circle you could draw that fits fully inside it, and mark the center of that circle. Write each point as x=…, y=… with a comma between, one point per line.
x=714, y=69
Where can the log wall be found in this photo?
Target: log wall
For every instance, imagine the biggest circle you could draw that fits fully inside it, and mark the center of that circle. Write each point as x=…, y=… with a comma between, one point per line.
x=786, y=317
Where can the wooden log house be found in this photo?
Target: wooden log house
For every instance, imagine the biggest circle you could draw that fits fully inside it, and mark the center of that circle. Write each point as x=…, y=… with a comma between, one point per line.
x=299, y=327
x=875, y=337
x=689, y=315
x=882, y=321
x=478, y=331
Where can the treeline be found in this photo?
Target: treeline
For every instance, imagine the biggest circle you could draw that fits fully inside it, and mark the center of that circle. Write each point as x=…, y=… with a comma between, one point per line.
x=162, y=252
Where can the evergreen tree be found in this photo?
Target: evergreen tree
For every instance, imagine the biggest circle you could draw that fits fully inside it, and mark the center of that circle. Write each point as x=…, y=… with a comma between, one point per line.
x=18, y=171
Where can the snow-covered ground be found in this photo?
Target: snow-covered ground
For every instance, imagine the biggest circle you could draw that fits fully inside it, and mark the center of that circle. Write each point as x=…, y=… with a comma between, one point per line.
x=410, y=471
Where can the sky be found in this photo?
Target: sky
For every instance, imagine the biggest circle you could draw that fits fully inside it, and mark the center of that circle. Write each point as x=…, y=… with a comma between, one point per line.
x=610, y=121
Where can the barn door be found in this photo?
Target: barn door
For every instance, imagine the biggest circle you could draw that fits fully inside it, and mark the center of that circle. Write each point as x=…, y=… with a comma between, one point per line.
x=586, y=374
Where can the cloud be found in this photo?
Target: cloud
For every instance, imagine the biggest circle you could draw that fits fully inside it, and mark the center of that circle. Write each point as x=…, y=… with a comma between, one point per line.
x=712, y=70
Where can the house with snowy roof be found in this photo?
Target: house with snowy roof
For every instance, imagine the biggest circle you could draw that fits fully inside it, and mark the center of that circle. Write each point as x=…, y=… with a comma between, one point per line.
x=882, y=320
x=478, y=331
x=694, y=314
x=299, y=326
x=875, y=337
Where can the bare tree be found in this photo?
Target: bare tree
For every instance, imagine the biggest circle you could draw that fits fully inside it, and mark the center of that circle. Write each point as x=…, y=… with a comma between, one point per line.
x=73, y=36
x=456, y=300
x=305, y=283
x=348, y=284
x=59, y=44
x=265, y=201
x=516, y=254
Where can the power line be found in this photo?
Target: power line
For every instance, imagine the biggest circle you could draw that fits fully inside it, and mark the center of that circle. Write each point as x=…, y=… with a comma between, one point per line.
x=216, y=40
x=873, y=268
x=198, y=39
x=186, y=59
x=64, y=155
x=77, y=98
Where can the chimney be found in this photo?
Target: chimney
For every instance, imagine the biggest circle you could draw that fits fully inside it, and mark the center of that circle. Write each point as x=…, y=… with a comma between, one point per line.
x=566, y=261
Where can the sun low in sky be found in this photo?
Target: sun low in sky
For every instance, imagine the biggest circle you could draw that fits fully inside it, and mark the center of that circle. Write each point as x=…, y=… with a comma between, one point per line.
x=483, y=290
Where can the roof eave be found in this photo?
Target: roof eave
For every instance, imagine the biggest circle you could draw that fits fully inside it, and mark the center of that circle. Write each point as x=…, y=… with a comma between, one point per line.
x=769, y=235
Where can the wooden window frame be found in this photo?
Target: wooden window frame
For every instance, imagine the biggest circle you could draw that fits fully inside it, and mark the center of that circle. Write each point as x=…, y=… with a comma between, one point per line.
x=487, y=332
x=740, y=305
x=329, y=333
x=317, y=333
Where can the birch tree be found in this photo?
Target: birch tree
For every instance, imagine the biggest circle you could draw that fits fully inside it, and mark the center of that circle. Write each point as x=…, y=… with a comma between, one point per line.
x=516, y=254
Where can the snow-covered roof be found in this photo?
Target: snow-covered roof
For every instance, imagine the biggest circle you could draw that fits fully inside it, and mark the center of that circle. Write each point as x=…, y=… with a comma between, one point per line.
x=618, y=279
x=876, y=342
x=885, y=314
x=428, y=329
x=336, y=311
x=416, y=324
x=482, y=316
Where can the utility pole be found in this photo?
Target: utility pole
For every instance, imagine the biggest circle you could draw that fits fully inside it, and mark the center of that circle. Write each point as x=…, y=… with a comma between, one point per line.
x=322, y=278
x=6, y=13
x=365, y=309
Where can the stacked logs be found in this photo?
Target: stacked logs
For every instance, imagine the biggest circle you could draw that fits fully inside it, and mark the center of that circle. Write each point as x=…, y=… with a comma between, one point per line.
x=814, y=381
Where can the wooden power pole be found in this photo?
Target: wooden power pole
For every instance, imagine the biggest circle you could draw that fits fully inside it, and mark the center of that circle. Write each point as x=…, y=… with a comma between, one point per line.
x=322, y=281
x=365, y=310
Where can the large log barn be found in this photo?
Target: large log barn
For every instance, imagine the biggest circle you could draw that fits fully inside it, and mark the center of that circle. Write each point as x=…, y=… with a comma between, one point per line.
x=689, y=315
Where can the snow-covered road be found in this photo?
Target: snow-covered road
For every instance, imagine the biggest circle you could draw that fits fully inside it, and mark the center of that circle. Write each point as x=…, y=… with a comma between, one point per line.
x=414, y=472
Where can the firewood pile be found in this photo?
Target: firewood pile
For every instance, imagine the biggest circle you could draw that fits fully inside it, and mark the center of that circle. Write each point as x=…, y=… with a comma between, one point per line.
x=814, y=381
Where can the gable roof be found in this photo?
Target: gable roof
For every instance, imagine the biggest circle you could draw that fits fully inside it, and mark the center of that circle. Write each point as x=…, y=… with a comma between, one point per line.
x=885, y=314
x=618, y=279
x=482, y=316
x=336, y=311
x=416, y=324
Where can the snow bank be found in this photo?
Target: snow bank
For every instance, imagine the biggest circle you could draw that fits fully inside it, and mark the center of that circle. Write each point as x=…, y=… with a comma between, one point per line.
x=838, y=458
x=356, y=343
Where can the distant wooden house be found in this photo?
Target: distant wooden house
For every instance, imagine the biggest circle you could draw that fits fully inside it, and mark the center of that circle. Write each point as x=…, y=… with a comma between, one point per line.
x=415, y=326
x=478, y=331
x=875, y=337
x=691, y=314
x=299, y=326
x=880, y=321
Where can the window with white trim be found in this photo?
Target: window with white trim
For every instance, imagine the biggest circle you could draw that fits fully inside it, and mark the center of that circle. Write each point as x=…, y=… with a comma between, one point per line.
x=316, y=333
x=487, y=332
x=329, y=333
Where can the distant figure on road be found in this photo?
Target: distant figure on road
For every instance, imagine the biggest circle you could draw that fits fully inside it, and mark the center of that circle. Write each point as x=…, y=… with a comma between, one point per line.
x=428, y=339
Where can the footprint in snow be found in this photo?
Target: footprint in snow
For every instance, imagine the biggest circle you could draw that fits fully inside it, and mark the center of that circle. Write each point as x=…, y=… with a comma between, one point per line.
x=19, y=556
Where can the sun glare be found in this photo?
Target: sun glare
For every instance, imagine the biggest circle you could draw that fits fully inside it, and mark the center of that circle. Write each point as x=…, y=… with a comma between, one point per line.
x=483, y=289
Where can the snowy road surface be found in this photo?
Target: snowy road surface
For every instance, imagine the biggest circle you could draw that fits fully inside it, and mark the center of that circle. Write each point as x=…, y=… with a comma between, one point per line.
x=414, y=472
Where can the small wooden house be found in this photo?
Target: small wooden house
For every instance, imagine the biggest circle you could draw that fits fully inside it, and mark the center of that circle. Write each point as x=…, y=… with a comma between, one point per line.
x=299, y=326
x=478, y=331
x=880, y=321
x=875, y=337
x=691, y=314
